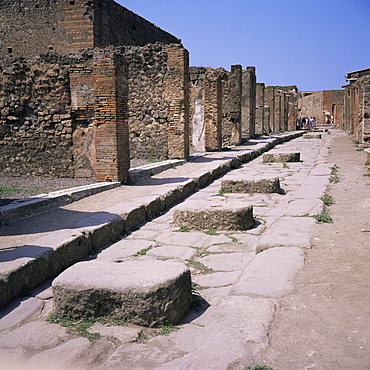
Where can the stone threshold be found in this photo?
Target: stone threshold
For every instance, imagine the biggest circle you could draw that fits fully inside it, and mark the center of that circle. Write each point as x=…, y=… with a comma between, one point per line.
x=26, y=267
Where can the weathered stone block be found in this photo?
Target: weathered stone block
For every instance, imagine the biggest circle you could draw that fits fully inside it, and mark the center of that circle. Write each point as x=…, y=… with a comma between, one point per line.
x=312, y=136
x=202, y=215
x=252, y=186
x=282, y=157
x=148, y=293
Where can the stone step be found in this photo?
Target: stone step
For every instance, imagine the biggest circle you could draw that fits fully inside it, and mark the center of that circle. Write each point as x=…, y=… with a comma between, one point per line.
x=148, y=293
x=282, y=157
x=267, y=185
x=220, y=215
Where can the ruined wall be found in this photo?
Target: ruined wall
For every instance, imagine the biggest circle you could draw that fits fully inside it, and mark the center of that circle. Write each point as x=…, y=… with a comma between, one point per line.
x=35, y=118
x=260, y=108
x=248, y=104
x=310, y=105
x=231, y=105
x=32, y=27
x=158, y=103
x=332, y=102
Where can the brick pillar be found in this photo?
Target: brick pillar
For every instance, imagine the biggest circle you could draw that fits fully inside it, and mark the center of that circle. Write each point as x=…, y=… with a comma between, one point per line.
x=110, y=116
x=366, y=114
x=212, y=111
x=177, y=95
x=260, y=108
x=248, y=104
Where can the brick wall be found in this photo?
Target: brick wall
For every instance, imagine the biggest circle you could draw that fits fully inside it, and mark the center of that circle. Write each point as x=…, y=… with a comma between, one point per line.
x=176, y=96
x=110, y=115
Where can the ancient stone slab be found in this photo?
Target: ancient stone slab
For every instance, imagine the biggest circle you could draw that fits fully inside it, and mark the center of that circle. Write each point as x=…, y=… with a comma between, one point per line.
x=172, y=251
x=282, y=157
x=312, y=136
x=271, y=273
x=218, y=279
x=37, y=335
x=148, y=293
x=65, y=354
x=227, y=262
x=288, y=232
x=24, y=311
x=125, y=334
x=202, y=215
x=252, y=186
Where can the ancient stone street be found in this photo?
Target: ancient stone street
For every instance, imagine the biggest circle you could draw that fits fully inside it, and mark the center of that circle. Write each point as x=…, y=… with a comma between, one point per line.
x=243, y=279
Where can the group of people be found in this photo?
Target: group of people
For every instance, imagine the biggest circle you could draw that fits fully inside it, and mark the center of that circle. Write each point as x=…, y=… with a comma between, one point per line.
x=306, y=123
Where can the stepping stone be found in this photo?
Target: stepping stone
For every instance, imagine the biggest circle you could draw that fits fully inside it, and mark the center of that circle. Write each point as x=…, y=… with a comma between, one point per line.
x=252, y=186
x=220, y=215
x=312, y=136
x=148, y=293
x=282, y=157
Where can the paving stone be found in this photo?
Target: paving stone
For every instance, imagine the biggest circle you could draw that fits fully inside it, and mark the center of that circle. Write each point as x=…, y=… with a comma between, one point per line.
x=271, y=273
x=311, y=136
x=20, y=312
x=144, y=356
x=125, y=334
x=227, y=262
x=217, y=279
x=282, y=157
x=173, y=251
x=246, y=243
x=235, y=328
x=263, y=185
x=196, y=239
x=304, y=206
x=144, y=234
x=124, y=248
x=214, y=296
x=221, y=215
x=288, y=232
x=36, y=335
x=61, y=356
x=147, y=293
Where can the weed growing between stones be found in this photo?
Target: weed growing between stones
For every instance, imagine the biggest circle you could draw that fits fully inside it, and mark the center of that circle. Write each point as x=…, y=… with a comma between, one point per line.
x=285, y=165
x=166, y=329
x=324, y=217
x=143, y=252
x=81, y=326
x=211, y=231
x=221, y=193
x=258, y=367
x=198, y=300
x=334, y=179
x=7, y=190
x=200, y=267
x=141, y=337
x=327, y=199
x=360, y=150
x=182, y=229
x=235, y=240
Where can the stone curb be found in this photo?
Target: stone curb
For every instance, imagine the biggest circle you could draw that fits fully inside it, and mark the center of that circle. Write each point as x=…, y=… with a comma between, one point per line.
x=41, y=203
x=50, y=255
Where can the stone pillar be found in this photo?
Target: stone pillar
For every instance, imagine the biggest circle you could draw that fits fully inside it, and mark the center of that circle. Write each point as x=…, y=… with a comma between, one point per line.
x=176, y=94
x=270, y=125
x=248, y=104
x=366, y=114
x=212, y=111
x=260, y=110
x=110, y=116
x=277, y=110
x=231, y=106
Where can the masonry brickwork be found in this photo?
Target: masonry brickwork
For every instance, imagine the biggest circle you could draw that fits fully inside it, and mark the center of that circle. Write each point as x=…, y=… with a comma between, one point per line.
x=32, y=27
x=357, y=105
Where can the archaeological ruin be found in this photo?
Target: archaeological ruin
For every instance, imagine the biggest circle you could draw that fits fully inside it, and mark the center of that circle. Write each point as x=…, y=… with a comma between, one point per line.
x=87, y=86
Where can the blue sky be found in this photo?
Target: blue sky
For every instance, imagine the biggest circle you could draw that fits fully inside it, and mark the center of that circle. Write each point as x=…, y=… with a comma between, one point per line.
x=308, y=43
